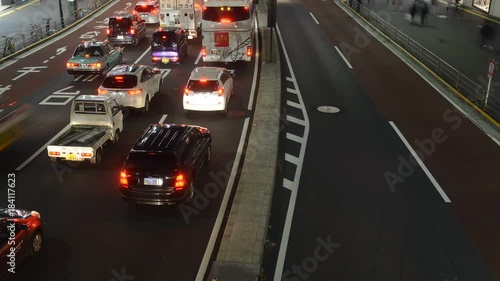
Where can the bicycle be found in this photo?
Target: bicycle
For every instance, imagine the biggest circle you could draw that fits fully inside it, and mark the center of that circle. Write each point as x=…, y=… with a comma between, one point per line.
x=35, y=32
x=8, y=46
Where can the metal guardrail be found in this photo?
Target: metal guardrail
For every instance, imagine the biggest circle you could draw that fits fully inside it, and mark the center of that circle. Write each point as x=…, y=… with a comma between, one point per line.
x=42, y=29
x=474, y=92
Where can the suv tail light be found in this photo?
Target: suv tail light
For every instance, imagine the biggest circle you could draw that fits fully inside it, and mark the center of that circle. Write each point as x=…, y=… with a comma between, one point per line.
x=108, y=31
x=220, y=92
x=132, y=31
x=186, y=91
x=154, y=12
x=203, y=51
x=180, y=182
x=249, y=51
x=135, y=92
x=123, y=179
x=71, y=64
x=135, y=12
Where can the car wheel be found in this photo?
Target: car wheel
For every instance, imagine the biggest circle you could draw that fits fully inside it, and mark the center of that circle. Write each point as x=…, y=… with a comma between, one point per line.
x=116, y=139
x=97, y=158
x=209, y=155
x=136, y=42
x=190, y=196
x=120, y=59
x=145, y=109
x=36, y=243
x=160, y=88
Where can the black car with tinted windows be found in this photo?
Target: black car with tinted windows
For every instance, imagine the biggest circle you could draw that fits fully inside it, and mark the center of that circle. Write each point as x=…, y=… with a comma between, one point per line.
x=126, y=29
x=169, y=44
x=162, y=166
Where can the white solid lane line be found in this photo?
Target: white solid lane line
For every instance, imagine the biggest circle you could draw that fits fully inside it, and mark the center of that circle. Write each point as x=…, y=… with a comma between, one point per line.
x=424, y=168
x=314, y=18
x=43, y=148
x=198, y=59
x=143, y=54
x=342, y=55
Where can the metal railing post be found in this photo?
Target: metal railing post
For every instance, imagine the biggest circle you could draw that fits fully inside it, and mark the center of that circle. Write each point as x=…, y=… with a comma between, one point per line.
x=458, y=80
x=437, y=66
x=407, y=41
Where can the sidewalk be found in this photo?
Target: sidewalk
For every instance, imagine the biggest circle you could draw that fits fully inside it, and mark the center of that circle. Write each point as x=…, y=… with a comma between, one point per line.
x=456, y=40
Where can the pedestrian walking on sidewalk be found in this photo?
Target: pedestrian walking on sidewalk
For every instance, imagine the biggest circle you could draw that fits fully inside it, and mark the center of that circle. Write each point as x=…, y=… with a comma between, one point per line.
x=413, y=10
x=423, y=12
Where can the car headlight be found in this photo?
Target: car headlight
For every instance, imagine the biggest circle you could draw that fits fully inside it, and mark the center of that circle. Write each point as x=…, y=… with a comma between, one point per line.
x=36, y=214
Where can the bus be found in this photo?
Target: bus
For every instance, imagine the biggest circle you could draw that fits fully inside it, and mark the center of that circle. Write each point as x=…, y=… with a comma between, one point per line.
x=228, y=30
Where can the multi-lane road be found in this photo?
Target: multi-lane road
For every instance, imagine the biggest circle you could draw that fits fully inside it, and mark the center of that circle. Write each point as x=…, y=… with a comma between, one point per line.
x=90, y=233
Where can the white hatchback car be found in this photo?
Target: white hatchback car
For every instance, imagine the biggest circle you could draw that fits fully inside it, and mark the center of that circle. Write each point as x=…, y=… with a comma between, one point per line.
x=132, y=85
x=208, y=89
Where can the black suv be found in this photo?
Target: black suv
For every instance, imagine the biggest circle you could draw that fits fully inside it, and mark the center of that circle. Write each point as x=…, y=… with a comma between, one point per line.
x=126, y=29
x=162, y=166
x=169, y=44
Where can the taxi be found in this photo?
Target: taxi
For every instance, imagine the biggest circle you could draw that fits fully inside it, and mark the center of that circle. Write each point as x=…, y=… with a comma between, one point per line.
x=94, y=57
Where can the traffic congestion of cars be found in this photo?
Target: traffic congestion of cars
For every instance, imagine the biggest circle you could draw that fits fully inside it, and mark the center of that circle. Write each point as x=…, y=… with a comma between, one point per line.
x=162, y=165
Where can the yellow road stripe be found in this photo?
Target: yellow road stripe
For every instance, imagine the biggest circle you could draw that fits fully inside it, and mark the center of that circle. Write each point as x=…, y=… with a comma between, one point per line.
x=485, y=115
x=19, y=8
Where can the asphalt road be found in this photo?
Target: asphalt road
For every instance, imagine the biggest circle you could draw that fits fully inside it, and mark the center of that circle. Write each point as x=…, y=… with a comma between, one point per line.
x=17, y=19
x=90, y=232
x=376, y=230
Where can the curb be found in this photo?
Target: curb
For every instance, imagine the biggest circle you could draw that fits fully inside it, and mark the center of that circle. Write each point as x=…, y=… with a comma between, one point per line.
x=241, y=250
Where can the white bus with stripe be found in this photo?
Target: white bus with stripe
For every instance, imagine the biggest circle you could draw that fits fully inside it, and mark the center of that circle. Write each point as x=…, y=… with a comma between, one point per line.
x=227, y=28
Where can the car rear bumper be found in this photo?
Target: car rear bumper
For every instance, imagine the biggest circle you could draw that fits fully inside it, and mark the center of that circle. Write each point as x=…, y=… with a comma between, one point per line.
x=152, y=198
x=212, y=104
x=126, y=40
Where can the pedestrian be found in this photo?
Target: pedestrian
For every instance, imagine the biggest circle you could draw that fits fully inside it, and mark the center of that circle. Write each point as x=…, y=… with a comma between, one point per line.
x=413, y=10
x=423, y=12
x=487, y=35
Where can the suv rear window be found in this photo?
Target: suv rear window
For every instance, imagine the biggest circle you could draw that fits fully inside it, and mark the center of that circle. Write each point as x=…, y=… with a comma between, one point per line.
x=120, y=23
x=153, y=160
x=144, y=8
x=93, y=51
x=164, y=39
x=120, y=81
x=203, y=85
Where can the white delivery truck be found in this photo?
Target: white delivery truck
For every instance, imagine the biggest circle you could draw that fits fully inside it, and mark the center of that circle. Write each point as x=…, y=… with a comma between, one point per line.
x=182, y=13
x=94, y=121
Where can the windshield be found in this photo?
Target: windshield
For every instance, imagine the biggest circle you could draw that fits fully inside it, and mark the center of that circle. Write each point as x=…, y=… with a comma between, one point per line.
x=120, y=23
x=203, y=85
x=163, y=39
x=85, y=52
x=120, y=82
x=164, y=161
x=223, y=14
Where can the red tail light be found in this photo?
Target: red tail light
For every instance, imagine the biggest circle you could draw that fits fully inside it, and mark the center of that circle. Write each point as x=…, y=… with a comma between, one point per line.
x=86, y=154
x=249, y=51
x=180, y=182
x=135, y=92
x=54, y=153
x=220, y=92
x=132, y=31
x=225, y=20
x=186, y=91
x=108, y=31
x=101, y=91
x=154, y=12
x=123, y=179
x=135, y=12
x=203, y=51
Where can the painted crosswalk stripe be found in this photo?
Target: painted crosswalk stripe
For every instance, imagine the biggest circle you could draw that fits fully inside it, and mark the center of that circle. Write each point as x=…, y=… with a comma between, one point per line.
x=295, y=120
x=293, y=91
x=293, y=104
x=288, y=184
x=289, y=79
x=78, y=78
x=93, y=78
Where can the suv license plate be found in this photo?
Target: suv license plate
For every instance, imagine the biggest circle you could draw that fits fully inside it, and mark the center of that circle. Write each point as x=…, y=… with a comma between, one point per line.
x=215, y=52
x=120, y=36
x=153, y=181
x=165, y=60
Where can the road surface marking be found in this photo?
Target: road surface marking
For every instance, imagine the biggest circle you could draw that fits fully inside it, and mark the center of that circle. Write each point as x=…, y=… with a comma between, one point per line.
x=289, y=79
x=43, y=148
x=342, y=55
x=163, y=118
x=19, y=8
x=293, y=186
x=424, y=168
x=314, y=18
x=165, y=72
x=45, y=61
x=295, y=120
x=198, y=59
x=294, y=138
x=293, y=104
x=92, y=78
x=78, y=78
x=143, y=54
x=292, y=159
x=222, y=210
x=293, y=91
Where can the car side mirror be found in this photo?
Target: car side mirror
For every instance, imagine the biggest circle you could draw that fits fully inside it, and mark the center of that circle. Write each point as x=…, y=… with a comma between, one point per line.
x=24, y=227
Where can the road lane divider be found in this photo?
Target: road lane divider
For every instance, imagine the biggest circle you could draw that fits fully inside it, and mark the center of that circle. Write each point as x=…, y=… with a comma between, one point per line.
x=421, y=164
x=163, y=118
x=317, y=22
x=42, y=148
x=143, y=54
x=198, y=59
x=343, y=57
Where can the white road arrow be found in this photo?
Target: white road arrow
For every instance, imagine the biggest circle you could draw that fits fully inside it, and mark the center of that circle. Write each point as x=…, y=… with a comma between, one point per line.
x=61, y=50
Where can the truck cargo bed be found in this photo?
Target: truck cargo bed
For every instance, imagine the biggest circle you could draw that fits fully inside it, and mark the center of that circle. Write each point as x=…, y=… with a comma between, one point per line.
x=82, y=136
